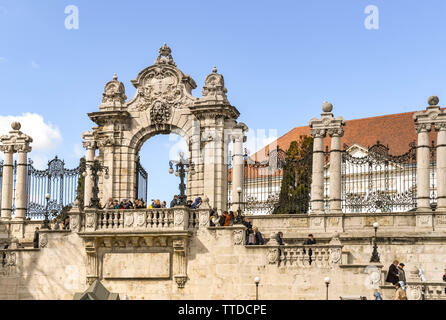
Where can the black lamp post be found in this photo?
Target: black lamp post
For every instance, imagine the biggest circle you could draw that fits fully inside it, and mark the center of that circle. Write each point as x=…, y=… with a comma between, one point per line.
x=95, y=168
x=256, y=281
x=181, y=167
x=46, y=222
x=327, y=283
x=375, y=254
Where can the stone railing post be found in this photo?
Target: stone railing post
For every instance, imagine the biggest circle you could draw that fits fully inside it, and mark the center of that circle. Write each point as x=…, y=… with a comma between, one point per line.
x=238, y=137
x=319, y=128
x=90, y=145
x=424, y=122
x=181, y=218
x=19, y=142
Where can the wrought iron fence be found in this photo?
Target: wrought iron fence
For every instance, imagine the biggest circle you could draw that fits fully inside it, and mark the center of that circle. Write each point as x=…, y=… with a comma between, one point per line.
x=141, y=181
x=433, y=175
x=59, y=182
x=378, y=181
x=275, y=185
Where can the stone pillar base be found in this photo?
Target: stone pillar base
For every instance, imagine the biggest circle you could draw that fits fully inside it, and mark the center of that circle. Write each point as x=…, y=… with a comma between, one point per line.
x=17, y=229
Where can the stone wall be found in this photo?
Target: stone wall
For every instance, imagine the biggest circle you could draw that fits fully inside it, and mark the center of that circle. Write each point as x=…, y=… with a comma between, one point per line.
x=219, y=266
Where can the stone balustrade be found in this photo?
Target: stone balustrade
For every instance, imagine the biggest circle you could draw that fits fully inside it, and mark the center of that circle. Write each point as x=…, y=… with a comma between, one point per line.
x=416, y=289
x=141, y=220
x=302, y=256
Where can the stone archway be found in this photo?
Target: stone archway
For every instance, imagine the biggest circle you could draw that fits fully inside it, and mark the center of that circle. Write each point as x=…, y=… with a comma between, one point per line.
x=163, y=104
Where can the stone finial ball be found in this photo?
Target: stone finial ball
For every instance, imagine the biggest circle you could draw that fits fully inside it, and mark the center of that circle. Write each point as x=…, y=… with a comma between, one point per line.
x=433, y=100
x=327, y=106
x=16, y=125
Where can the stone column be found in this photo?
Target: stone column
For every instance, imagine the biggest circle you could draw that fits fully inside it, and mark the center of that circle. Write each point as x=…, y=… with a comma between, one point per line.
x=21, y=188
x=423, y=167
x=237, y=168
x=319, y=128
x=7, y=181
x=90, y=145
x=335, y=170
x=424, y=120
x=317, y=181
x=441, y=167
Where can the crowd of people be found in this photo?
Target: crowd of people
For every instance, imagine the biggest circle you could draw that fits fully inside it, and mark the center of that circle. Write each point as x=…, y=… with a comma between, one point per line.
x=154, y=204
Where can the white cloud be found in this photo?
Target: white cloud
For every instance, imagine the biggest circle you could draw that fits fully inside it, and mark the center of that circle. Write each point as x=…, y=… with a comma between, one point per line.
x=46, y=136
x=79, y=152
x=35, y=65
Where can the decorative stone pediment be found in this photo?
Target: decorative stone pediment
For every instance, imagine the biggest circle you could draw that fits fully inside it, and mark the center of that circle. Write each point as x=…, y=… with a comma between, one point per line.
x=327, y=123
x=432, y=117
x=114, y=95
x=161, y=88
x=214, y=88
x=16, y=141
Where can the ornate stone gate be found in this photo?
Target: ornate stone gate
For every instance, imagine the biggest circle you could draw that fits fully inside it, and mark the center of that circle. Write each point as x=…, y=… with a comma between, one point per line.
x=164, y=104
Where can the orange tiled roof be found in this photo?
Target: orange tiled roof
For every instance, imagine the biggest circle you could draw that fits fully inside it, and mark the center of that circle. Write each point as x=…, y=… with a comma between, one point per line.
x=396, y=131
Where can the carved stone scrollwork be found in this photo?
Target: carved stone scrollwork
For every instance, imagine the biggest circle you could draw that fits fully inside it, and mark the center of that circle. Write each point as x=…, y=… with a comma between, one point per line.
x=214, y=87
x=318, y=133
x=180, y=261
x=160, y=113
x=423, y=127
x=179, y=218
x=90, y=220
x=238, y=237
x=114, y=94
x=335, y=255
x=414, y=292
x=273, y=255
x=181, y=281
x=92, y=260
x=335, y=132
x=43, y=240
x=204, y=219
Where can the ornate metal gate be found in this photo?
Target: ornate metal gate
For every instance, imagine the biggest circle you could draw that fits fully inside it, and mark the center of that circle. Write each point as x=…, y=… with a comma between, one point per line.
x=57, y=181
x=262, y=182
x=141, y=181
x=379, y=182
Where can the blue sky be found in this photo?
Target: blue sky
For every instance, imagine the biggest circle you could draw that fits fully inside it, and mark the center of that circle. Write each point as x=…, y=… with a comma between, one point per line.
x=280, y=59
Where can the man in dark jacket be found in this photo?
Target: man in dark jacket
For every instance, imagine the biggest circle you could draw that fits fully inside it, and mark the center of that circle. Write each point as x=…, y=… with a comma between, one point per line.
x=258, y=239
x=174, y=201
x=279, y=238
x=222, y=219
x=249, y=230
x=402, y=276
x=36, y=238
x=393, y=275
x=310, y=240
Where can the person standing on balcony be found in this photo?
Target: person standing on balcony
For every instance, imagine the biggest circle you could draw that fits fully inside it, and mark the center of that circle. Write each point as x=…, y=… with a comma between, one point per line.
x=279, y=238
x=393, y=275
x=222, y=219
x=249, y=230
x=258, y=239
x=400, y=294
x=310, y=241
x=402, y=276
x=174, y=201
x=444, y=279
x=36, y=238
x=109, y=204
